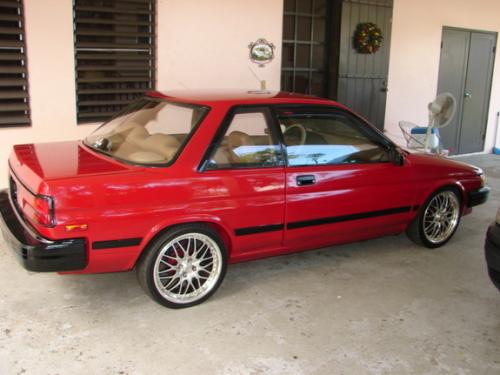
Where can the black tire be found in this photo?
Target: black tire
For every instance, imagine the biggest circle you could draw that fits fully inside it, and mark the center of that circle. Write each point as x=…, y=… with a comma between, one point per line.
x=416, y=230
x=162, y=248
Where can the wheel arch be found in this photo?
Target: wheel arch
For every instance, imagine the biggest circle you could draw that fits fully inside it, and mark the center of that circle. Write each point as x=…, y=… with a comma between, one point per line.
x=441, y=185
x=425, y=195
x=159, y=230
x=414, y=230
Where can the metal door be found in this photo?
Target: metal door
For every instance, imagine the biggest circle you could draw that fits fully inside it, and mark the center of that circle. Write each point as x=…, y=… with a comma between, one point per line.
x=466, y=70
x=362, y=79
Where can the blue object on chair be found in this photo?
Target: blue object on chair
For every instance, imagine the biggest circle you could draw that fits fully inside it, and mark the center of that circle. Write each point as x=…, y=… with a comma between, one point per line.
x=422, y=130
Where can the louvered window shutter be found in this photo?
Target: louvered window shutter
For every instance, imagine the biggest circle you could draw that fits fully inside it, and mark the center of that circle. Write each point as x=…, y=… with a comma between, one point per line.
x=114, y=53
x=14, y=98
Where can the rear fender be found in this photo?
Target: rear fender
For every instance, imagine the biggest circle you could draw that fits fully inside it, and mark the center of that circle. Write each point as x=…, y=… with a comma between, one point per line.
x=212, y=221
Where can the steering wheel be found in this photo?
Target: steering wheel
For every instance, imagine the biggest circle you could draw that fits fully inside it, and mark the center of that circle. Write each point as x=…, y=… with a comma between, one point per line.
x=295, y=135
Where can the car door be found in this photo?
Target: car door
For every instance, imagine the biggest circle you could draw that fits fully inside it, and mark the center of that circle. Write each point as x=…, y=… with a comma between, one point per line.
x=244, y=169
x=341, y=185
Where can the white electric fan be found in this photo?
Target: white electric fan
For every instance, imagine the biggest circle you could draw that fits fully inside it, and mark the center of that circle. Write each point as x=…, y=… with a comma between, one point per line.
x=426, y=138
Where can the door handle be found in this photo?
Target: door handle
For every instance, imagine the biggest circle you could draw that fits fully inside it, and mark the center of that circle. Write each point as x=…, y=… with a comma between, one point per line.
x=384, y=86
x=467, y=95
x=307, y=179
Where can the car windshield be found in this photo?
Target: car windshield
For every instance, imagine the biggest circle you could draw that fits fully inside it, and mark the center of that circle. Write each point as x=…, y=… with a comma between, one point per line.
x=150, y=131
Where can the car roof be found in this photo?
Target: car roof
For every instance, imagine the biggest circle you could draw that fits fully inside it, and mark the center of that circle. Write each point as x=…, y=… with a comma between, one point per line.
x=233, y=97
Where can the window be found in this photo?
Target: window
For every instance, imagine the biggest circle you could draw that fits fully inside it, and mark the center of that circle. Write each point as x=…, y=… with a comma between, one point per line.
x=150, y=131
x=304, y=60
x=247, y=143
x=115, y=55
x=14, y=99
x=319, y=138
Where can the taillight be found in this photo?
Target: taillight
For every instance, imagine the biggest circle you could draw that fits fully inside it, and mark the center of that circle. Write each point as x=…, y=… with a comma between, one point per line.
x=483, y=179
x=42, y=210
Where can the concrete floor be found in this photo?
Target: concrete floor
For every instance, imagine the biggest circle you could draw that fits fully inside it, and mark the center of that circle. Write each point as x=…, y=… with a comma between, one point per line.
x=384, y=306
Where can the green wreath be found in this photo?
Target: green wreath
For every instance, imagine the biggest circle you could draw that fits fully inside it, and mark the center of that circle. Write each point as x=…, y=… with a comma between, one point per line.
x=368, y=38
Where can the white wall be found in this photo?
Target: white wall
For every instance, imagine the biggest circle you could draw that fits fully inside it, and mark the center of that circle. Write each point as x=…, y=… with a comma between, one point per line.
x=200, y=44
x=415, y=53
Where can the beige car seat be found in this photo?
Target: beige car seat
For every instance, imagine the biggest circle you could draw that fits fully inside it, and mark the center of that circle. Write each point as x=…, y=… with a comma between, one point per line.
x=235, y=140
x=140, y=146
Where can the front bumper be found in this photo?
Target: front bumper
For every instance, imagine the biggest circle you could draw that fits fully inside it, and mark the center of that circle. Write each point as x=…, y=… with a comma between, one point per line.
x=492, y=252
x=35, y=252
x=479, y=196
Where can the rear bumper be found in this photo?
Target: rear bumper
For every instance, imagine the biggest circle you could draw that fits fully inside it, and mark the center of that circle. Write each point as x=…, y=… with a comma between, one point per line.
x=492, y=252
x=479, y=196
x=36, y=253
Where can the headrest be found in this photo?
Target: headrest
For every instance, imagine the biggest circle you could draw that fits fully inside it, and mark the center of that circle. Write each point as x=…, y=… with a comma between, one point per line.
x=236, y=139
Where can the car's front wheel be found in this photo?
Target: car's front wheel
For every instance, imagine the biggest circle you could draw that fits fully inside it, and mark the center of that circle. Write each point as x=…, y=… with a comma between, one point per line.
x=184, y=266
x=438, y=220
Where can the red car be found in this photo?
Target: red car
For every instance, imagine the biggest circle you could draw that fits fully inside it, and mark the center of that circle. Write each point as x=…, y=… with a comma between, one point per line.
x=181, y=184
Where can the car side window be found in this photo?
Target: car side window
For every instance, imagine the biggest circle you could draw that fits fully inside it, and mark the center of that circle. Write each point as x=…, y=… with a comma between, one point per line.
x=323, y=138
x=247, y=143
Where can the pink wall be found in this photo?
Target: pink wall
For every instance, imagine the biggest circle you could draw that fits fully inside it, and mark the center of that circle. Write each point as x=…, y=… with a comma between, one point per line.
x=415, y=54
x=51, y=74
x=201, y=44
x=204, y=43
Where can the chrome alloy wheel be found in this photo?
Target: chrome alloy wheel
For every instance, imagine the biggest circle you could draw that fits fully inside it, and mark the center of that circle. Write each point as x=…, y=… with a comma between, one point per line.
x=187, y=268
x=441, y=216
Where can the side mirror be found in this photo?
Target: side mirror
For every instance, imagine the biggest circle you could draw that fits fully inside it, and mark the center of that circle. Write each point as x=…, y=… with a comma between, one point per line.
x=396, y=156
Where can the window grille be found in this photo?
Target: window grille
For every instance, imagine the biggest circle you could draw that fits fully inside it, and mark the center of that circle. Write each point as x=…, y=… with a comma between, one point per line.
x=305, y=46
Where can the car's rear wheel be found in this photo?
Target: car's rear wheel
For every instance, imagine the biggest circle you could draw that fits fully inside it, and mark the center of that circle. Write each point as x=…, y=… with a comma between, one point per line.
x=438, y=220
x=184, y=266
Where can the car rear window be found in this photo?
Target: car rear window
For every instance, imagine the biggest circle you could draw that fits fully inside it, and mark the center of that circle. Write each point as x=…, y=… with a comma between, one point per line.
x=149, y=132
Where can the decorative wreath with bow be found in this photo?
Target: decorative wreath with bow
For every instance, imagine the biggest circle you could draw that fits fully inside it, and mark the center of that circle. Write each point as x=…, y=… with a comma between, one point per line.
x=368, y=38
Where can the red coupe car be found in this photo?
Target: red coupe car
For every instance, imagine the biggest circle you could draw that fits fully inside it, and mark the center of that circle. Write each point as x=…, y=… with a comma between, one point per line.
x=180, y=184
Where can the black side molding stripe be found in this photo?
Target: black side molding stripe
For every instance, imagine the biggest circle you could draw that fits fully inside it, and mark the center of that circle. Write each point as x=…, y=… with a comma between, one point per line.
x=112, y=244
x=260, y=229
x=338, y=219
